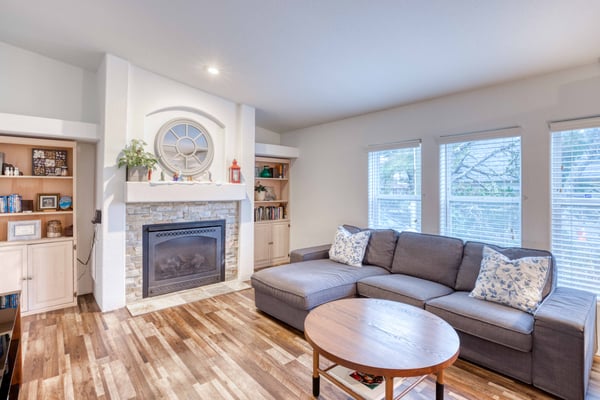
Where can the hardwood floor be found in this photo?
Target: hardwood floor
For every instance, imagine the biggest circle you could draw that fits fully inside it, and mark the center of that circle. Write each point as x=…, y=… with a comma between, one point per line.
x=218, y=348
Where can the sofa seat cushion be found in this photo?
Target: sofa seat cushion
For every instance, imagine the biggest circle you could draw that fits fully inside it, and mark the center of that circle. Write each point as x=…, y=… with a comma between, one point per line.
x=305, y=285
x=490, y=321
x=402, y=288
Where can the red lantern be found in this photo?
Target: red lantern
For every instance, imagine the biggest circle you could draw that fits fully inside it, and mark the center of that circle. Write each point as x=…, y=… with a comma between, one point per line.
x=235, y=176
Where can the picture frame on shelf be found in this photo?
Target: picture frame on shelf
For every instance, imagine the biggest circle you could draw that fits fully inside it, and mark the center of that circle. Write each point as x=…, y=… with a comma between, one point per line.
x=47, y=201
x=46, y=162
x=24, y=230
x=270, y=195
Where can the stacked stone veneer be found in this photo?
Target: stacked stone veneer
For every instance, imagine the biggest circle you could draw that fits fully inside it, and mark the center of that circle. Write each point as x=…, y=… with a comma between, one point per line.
x=139, y=214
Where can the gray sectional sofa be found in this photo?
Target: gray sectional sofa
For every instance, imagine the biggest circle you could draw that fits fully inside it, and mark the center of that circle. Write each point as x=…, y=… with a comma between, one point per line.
x=551, y=349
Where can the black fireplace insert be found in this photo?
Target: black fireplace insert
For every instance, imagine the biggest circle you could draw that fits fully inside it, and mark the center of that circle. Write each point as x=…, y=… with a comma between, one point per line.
x=179, y=256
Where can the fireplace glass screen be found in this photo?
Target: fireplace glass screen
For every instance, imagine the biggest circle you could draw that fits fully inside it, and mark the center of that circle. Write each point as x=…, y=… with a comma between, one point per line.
x=182, y=256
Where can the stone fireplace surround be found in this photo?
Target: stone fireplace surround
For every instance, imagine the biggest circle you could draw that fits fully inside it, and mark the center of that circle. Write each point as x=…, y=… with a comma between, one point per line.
x=139, y=214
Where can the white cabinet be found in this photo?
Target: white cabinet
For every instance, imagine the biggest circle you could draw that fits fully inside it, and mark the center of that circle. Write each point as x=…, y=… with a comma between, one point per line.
x=262, y=248
x=44, y=272
x=280, y=243
x=14, y=261
x=271, y=243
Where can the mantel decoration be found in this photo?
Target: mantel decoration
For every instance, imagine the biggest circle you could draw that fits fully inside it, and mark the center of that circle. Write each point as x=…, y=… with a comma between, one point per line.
x=184, y=147
x=235, y=175
x=138, y=161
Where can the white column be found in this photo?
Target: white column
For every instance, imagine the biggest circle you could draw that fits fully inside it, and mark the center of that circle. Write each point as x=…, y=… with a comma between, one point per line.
x=109, y=284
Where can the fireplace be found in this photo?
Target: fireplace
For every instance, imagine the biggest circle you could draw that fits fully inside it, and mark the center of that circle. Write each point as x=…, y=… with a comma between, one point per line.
x=185, y=255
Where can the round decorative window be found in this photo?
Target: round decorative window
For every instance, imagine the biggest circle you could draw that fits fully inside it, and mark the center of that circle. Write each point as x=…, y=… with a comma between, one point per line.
x=185, y=147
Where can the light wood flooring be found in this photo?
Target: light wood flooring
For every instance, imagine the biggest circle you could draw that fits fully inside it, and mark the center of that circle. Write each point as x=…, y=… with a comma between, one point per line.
x=217, y=348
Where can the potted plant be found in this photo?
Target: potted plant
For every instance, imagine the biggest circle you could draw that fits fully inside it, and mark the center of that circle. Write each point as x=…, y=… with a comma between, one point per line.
x=137, y=160
x=260, y=192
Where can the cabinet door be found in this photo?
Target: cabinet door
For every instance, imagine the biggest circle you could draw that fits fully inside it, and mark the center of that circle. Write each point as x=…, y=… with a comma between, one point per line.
x=13, y=268
x=51, y=274
x=262, y=246
x=280, y=238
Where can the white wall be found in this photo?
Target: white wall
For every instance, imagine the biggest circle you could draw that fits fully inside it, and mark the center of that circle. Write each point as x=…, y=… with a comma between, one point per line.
x=86, y=155
x=329, y=180
x=32, y=84
x=266, y=136
x=135, y=103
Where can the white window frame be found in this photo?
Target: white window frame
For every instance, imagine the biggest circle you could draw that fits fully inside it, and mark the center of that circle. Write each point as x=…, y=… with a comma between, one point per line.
x=373, y=199
x=576, y=266
x=446, y=198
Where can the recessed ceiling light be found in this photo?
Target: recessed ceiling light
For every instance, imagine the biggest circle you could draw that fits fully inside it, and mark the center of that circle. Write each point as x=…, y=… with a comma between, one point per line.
x=212, y=70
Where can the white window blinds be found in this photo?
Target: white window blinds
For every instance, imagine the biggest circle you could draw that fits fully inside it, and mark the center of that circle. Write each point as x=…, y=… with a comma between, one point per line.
x=480, y=187
x=395, y=186
x=576, y=203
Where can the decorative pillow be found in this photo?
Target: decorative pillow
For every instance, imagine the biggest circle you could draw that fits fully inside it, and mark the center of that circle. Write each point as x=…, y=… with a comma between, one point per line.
x=515, y=283
x=349, y=248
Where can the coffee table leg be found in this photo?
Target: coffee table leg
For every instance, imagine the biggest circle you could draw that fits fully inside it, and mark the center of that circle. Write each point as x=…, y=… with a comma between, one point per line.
x=316, y=380
x=439, y=386
x=389, y=388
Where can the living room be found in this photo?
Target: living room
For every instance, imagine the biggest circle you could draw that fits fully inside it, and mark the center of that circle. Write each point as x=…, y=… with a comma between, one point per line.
x=102, y=98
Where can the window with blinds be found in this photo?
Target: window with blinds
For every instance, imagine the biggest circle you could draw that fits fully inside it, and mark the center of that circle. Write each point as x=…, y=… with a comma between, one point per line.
x=395, y=187
x=480, y=187
x=576, y=203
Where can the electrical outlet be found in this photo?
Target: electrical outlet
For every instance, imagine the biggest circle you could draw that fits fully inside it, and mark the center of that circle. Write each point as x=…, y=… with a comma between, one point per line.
x=97, y=217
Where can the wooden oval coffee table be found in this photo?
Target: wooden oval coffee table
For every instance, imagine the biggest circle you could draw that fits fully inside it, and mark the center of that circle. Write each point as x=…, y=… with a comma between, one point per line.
x=380, y=337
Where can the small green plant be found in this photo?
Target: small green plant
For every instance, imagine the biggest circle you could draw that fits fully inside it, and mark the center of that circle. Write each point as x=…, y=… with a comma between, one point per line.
x=135, y=156
x=259, y=188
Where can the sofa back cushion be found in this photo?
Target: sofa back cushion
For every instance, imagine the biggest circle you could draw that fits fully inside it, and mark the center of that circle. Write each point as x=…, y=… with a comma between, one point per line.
x=432, y=257
x=380, y=250
x=471, y=263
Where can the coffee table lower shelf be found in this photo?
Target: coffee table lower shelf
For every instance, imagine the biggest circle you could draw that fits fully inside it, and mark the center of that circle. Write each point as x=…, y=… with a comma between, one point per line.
x=399, y=390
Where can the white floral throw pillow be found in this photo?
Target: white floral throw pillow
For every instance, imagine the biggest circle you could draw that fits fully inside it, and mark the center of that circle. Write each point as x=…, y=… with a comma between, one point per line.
x=515, y=283
x=349, y=248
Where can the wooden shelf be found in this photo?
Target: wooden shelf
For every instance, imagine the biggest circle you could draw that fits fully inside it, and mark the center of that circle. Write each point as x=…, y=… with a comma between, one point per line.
x=34, y=177
x=26, y=214
x=270, y=221
x=267, y=202
x=36, y=241
x=258, y=178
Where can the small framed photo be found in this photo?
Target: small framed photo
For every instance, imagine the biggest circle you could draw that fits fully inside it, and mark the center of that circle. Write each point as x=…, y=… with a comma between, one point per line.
x=270, y=195
x=47, y=201
x=24, y=230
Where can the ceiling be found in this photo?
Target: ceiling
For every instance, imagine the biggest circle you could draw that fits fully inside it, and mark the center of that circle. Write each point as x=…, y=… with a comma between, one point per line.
x=306, y=62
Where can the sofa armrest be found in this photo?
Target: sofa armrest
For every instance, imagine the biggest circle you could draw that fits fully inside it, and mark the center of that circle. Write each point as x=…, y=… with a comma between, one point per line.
x=310, y=253
x=564, y=342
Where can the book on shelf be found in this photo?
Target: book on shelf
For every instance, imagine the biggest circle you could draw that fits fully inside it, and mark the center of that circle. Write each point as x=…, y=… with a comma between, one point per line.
x=9, y=301
x=269, y=213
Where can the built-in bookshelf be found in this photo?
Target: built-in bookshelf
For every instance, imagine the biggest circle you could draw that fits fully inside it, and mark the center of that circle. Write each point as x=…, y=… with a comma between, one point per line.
x=271, y=211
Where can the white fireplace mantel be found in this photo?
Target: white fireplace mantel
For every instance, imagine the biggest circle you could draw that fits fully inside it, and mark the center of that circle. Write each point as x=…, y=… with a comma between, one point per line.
x=153, y=192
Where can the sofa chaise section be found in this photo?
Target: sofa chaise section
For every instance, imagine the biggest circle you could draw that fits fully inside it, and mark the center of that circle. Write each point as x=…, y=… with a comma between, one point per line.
x=289, y=292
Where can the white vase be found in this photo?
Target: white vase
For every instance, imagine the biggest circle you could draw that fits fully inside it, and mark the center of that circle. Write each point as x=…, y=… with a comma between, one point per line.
x=260, y=196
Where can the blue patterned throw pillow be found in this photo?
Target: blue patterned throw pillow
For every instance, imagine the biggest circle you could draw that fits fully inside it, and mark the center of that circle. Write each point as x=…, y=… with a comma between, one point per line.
x=349, y=248
x=515, y=283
